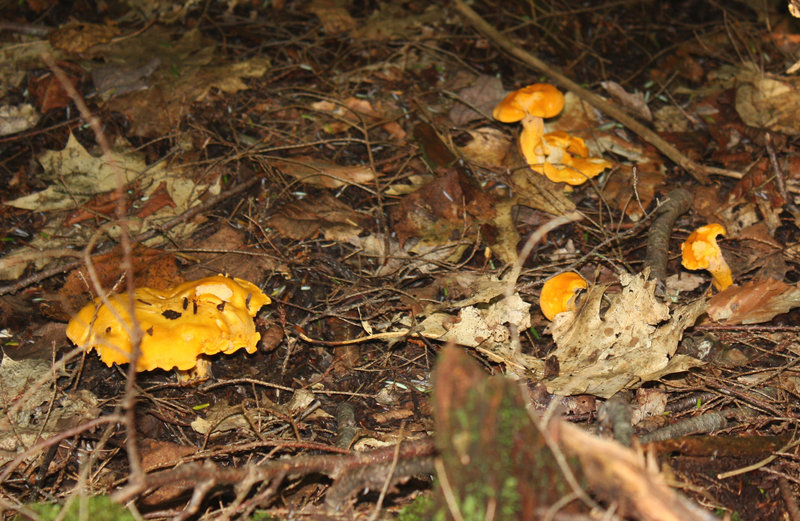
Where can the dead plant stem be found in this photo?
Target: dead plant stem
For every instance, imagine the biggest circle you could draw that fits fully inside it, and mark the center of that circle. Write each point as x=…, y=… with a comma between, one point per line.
x=755, y=466
x=388, y=482
x=541, y=231
x=129, y=400
x=301, y=465
x=678, y=202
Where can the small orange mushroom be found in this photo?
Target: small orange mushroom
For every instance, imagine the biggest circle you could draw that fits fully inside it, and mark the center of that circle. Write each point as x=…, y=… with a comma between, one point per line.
x=180, y=326
x=700, y=251
x=564, y=158
x=558, y=293
x=530, y=105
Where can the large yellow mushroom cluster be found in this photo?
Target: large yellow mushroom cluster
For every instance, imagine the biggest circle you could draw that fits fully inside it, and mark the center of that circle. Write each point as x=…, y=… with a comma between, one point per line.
x=558, y=155
x=180, y=326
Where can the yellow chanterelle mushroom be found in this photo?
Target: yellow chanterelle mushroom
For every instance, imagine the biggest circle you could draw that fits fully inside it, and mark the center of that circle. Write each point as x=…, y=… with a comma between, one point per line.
x=700, y=251
x=530, y=105
x=180, y=326
x=558, y=293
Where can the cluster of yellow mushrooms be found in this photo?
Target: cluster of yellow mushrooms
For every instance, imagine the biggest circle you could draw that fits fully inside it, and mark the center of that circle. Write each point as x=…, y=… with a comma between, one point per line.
x=561, y=157
x=564, y=158
x=699, y=251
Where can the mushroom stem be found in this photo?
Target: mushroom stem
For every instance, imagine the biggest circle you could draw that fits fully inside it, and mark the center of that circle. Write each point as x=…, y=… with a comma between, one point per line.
x=198, y=373
x=530, y=140
x=721, y=276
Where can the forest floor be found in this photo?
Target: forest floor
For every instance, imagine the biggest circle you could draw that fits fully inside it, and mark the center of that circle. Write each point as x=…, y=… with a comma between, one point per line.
x=340, y=163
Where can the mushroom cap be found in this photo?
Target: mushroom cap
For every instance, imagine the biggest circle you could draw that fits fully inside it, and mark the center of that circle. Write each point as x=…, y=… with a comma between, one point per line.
x=202, y=317
x=541, y=100
x=558, y=293
x=700, y=251
x=566, y=159
x=701, y=248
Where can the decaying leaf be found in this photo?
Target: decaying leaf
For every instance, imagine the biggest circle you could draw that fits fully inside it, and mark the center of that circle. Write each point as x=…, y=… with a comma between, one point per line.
x=76, y=37
x=488, y=146
x=16, y=118
x=326, y=174
x=634, y=103
x=443, y=210
x=80, y=174
x=633, y=341
x=251, y=415
x=193, y=66
x=76, y=175
x=482, y=93
x=754, y=303
x=305, y=218
x=537, y=192
x=486, y=328
x=26, y=385
x=152, y=268
x=632, y=191
x=335, y=18
x=769, y=104
x=355, y=113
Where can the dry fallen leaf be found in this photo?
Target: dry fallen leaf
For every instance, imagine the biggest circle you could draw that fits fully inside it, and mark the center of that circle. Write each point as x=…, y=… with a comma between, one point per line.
x=755, y=302
x=487, y=327
x=16, y=118
x=634, y=103
x=483, y=93
x=304, y=219
x=334, y=18
x=151, y=268
x=632, y=191
x=27, y=387
x=327, y=174
x=355, y=112
x=488, y=146
x=770, y=104
x=78, y=37
x=192, y=67
x=633, y=341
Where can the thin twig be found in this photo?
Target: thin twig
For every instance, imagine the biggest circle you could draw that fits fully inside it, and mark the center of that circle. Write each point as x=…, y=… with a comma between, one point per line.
x=301, y=465
x=755, y=466
x=541, y=231
x=389, y=476
x=129, y=400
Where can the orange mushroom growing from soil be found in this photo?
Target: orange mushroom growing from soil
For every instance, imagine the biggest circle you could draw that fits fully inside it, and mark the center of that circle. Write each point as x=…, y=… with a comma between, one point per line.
x=564, y=158
x=558, y=293
x=530, y=105
x=700, y=251
x=180, y=326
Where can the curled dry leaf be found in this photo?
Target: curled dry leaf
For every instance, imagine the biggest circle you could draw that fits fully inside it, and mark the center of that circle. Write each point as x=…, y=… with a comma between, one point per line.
x=753, y=303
